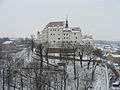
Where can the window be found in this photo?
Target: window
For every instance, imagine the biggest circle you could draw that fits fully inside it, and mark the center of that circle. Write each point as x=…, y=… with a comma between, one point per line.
x=64, y=34
x=74, y=33
x=50, y=29
x=58, y=38
x=75, y=41
x=71, y=41
x=76, y=37
x=54, y=41
x=64, y=37
x=58, y=29
x=58, y=34
x=51, y=34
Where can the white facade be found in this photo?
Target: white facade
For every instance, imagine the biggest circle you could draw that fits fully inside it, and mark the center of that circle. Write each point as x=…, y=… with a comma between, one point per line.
x=56, y=32
x=54, y=35
x=88, y=39
x=72, y=35
x=39, y=38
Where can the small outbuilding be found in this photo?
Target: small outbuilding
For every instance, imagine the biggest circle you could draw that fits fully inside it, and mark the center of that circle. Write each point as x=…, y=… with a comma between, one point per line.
x=8, y=45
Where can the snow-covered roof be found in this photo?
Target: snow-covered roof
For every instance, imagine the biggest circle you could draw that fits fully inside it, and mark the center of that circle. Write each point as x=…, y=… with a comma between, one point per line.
x=67, y=30
x=75, y=29
x=115, y=55
x=89, y=39
x=12, y=39
x=88, y=36
x=115, y=64
x=72, y=29
x=7, y=42
x=116, y=83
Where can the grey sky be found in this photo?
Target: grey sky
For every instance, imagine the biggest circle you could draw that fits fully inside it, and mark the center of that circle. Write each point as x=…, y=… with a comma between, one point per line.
x=21, y=18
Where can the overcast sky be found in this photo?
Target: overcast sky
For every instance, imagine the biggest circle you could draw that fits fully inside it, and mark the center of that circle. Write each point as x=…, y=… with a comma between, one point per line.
x=21, y=18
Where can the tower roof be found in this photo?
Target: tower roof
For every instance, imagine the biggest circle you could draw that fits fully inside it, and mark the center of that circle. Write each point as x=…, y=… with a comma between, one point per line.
x=66, y=24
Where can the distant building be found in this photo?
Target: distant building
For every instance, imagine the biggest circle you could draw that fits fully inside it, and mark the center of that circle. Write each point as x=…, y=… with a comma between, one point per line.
x=113, y=58
x=8, y=45
x=57, y=32
x=87, y=39
x=39, y=38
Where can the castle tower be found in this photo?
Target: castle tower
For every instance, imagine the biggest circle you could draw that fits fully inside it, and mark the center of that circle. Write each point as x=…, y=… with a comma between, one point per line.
x=38, y=36
x=66, y=24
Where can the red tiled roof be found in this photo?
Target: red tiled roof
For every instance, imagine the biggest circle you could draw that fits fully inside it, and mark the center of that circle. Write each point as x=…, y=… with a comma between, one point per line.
x=118, y=72
x=55, y=24
x=76, y=29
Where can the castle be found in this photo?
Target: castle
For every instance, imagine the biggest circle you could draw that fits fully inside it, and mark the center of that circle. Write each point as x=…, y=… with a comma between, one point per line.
x=57, y=32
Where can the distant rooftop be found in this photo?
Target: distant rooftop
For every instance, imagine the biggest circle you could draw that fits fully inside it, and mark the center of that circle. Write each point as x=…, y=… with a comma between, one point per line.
x=87, y=37
x=55, y=24
x=72, y=29
x=8, y=42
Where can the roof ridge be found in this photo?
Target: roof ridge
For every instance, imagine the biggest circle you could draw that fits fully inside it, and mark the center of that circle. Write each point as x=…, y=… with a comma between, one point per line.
x=56, y=23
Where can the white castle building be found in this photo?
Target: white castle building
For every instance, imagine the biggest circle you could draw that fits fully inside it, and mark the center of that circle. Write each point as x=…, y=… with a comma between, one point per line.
x=57, y=32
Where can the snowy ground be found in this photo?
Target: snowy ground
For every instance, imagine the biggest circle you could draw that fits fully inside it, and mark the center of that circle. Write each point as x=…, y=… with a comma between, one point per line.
x=100, y=79
x=83, y=75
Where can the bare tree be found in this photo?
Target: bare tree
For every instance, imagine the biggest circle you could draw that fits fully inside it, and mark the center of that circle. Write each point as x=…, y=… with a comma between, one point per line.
x=81, y=50
x=89, y=53
x=98, y=53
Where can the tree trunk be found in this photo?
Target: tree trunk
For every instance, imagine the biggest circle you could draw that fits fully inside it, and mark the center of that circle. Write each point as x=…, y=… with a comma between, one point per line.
x=94, y=72
x=15, y=83
x=77, y=83
x=65, y=77
x=47, y=56
x=21, y=82
x=3, y=79
x=89, y=63
x=74, y=66
x=61, y=84
x=81, y=56
x=8, y=79
x=60, y=55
